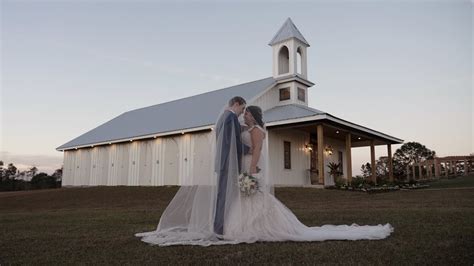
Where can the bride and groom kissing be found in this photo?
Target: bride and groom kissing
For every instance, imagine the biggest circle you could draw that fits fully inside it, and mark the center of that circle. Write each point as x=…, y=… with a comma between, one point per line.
x=229, y=126
x=216, y=212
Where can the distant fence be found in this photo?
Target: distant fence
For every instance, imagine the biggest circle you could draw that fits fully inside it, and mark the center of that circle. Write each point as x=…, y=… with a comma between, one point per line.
x=441, y=166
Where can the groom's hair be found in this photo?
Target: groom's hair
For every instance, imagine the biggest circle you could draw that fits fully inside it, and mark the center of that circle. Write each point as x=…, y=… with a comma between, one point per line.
x=237, y=99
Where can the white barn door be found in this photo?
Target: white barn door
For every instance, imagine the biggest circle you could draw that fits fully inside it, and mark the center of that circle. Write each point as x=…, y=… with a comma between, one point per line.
x=145, y=159
x=112, y=172
x=170, y=161
x=103, y=165
x=157, y=162
x=202, y=159
x=94, y=173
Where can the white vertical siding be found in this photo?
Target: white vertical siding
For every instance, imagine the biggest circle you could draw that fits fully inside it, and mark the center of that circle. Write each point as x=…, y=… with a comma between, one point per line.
x=145, y=160
x=300, y=159
x=68, y=170
x=171, y=161
x=133, y=159
x=202, y=158
x=268, y=100
x=77, y=165
x=185, y=159
x=271, y=98
x=157, y=162
x=103, y=165
x=94, y=172
x=113, y=168
x=123, y=164
x=85, y=166
x=181, y=160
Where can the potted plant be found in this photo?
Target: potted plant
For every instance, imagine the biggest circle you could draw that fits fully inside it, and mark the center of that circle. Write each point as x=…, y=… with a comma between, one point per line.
x=335, y=172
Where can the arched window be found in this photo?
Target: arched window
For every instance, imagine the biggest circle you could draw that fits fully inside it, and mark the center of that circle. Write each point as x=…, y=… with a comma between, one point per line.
x=283, y=60
x=299, y=57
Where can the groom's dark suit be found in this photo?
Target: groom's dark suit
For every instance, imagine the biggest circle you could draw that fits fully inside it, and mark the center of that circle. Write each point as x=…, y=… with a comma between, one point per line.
x=224, y=126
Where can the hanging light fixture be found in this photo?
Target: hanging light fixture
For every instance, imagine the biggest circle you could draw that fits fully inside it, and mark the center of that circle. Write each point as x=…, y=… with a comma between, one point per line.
x=328, y=150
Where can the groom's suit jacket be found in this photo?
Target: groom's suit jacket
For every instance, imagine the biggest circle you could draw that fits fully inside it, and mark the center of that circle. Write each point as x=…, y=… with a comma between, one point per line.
x=228, y=121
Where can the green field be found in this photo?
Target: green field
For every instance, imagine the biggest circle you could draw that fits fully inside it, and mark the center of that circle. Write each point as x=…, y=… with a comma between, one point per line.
x=96, y=226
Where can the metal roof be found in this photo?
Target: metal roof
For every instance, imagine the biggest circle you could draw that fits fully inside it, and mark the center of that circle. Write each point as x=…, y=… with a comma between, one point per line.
x=191, y=112
x=290, y=111
x=288, y=31
x=196, y=113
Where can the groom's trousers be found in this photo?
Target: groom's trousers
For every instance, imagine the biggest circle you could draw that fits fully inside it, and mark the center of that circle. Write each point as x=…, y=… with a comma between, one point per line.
x=220, y=204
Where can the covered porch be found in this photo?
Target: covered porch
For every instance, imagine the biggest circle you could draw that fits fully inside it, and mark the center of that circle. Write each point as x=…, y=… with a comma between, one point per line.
x=324, y=133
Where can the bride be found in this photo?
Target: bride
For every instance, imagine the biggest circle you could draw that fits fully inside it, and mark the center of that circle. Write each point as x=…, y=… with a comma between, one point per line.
x=249, y=217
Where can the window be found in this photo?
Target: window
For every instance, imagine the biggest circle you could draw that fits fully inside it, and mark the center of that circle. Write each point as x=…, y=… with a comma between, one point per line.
x=287, y=154
x=284, y=94
x=301, y=95
x=283, y=60
x=299, y=57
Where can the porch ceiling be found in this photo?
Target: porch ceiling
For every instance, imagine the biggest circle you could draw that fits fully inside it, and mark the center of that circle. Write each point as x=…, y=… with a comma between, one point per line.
x=337, y=131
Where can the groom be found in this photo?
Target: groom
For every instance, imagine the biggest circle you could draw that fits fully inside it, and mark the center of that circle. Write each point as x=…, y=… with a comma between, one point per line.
x=226, y=122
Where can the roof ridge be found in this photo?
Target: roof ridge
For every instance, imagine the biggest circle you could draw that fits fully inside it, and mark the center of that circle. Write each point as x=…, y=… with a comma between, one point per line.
x=299, y=106
x=287, y=31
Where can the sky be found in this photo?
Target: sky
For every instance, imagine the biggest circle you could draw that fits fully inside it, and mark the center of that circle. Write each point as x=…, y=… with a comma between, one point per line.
x=400, y=67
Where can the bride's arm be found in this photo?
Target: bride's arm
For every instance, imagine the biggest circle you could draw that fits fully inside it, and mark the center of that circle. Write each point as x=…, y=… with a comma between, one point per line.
x=257, y=141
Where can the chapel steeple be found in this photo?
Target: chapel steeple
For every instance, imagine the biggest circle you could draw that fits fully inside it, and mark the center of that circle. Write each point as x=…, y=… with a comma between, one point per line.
x=289, y=51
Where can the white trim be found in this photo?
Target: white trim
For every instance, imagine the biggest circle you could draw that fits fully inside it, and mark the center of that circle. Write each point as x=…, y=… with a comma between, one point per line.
x=361, y=128
x=275, y=123
x=182, y=131
x=335, y=119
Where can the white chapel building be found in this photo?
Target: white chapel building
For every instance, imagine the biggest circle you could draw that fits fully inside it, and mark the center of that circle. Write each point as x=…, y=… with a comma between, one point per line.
x=148, y=147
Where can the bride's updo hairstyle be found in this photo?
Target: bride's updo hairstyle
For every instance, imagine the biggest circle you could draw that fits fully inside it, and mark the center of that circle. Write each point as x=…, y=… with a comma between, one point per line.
x=256, y=113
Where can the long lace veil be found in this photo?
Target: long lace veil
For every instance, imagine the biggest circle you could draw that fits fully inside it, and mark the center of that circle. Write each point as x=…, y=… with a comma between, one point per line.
x=191, y=216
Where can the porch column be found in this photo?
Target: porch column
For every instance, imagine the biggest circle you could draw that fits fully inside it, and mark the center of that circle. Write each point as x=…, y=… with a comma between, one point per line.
x=372, y=161
x=320, y=153
x=465, y=167
x=436, y=168
x=348, y=157
x=453, y=167
x=446, y=169
x=428, y=169
x=420, y=168
x=390, y=163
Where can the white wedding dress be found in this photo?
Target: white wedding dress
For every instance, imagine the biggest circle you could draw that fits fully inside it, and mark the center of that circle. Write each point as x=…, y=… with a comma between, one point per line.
x=264, y=218
x=189, y=218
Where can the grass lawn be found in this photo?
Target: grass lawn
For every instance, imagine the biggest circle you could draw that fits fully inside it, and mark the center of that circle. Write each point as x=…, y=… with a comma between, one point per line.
x=96, y=226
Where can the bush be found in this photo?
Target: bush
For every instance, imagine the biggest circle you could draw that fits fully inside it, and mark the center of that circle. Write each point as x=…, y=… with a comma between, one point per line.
x=43, y=180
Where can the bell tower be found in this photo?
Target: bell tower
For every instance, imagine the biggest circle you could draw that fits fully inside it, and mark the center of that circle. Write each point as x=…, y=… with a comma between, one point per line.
x=289, y=51
x=290, y=67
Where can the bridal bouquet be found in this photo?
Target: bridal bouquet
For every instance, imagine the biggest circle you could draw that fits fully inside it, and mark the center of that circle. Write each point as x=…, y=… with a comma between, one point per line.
x=248, y=184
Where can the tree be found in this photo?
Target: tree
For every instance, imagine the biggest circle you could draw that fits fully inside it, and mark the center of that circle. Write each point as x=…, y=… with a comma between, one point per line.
x=33, y=170
x=366, y=170
x=58, y=173
x=2, y=172
x=10, y=171
x=408, y=154
x=381, y=167
x=43, y=180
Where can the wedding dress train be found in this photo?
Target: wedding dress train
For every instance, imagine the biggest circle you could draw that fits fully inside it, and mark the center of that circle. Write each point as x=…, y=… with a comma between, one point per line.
x=265, y=218
x=261, y=216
